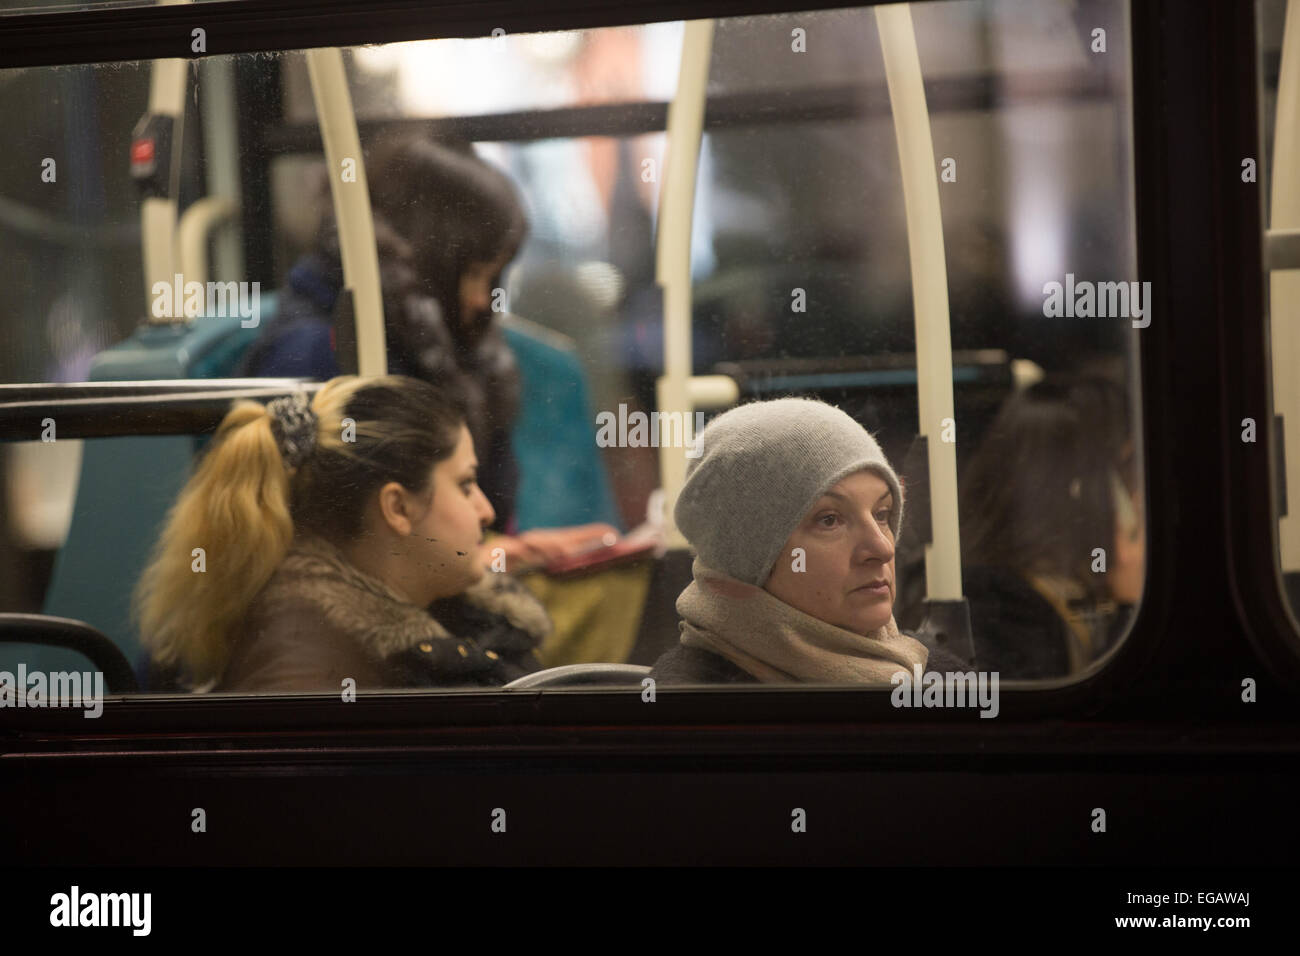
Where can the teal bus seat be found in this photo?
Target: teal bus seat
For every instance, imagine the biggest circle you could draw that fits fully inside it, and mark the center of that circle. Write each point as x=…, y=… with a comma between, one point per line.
x=128, y=484
x=562, y=479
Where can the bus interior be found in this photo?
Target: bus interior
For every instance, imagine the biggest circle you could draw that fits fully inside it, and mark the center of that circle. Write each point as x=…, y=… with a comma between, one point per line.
x=950, y=219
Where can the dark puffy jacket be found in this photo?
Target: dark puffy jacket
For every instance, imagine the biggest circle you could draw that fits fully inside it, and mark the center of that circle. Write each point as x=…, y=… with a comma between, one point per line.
x=1020, y=635
x=320, y=620
x=1016, y=631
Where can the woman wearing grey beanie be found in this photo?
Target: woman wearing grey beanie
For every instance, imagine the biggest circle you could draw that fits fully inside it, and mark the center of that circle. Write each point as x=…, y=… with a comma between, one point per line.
x=793, y=512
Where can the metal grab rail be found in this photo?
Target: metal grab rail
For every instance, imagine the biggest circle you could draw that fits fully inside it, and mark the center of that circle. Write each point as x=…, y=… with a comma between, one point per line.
x=726, y=110
x=122, y=409
x=351, y=197
x=677, y=390
x=929, y=294
x=50, y=631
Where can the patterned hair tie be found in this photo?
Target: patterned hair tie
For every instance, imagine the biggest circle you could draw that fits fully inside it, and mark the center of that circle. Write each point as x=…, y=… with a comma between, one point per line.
x=293, y=424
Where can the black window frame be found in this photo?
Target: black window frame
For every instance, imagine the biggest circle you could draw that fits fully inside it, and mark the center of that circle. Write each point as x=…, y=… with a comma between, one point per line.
x=1162, y=671
x=1252, y=472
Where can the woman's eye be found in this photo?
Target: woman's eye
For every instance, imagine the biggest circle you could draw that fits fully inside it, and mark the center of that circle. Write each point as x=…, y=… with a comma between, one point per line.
x=883, y=516
x=828, y=520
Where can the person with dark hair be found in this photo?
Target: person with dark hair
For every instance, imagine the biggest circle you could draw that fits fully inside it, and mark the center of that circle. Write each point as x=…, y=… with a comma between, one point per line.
x=340, y=540
x=446, y=226
x=1051, y=533
x=793, y=511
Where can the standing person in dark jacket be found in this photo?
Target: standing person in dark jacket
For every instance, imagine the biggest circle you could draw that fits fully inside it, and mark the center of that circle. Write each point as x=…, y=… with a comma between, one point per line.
x=446, y=226
x=341, y=541
x=1054, y=479
x=792, y=510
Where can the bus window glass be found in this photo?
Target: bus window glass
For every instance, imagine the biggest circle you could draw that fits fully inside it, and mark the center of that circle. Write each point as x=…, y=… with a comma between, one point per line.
x=1280, y=210
x=571, y=469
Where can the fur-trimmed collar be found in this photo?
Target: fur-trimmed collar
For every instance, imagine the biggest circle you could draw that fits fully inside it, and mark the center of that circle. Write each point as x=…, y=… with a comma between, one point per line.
x=361, y=605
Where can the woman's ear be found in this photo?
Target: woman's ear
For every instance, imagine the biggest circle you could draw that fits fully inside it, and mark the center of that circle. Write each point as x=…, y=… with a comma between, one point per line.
x=395, y=508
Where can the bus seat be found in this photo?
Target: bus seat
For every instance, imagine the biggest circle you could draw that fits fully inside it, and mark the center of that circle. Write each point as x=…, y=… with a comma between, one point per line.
x=658, y=632
x=562, y=479
x=879, y=391
x=208, y=347
x=595, y=616
x=582, y=675
x=127, y=484
x=59, y=644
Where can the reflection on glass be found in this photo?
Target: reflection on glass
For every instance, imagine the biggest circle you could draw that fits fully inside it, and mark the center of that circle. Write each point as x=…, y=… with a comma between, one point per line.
x=515, y=184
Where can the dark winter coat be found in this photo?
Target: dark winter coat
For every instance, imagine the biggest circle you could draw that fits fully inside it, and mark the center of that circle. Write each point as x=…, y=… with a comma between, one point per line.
x=321, y=620
x=1016, y=631
x=1019, y=634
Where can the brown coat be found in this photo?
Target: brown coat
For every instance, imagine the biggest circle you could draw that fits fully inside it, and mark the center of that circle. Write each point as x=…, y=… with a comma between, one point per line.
x=321, y=620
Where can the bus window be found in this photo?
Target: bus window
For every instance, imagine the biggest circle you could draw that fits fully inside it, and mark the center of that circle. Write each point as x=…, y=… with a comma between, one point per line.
x=525, y=193
x=1279, y=58
x=803, y=287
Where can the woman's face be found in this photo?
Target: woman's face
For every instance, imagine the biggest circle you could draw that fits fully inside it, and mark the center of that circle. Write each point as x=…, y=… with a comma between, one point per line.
x=847, y=576
x=448, y=530
x=476, y=294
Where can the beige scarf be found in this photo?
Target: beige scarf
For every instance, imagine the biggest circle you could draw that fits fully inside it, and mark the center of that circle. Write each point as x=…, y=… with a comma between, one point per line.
x=768, y=638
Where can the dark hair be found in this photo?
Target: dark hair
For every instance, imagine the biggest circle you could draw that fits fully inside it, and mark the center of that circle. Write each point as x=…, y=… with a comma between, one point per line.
x=401, y=428
x=451, y=207
x=245, y=502
x=438, y=209
x=1038, y=495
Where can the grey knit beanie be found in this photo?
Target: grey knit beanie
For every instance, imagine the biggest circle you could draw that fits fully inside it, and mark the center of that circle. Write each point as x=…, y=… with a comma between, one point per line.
x=761, y=467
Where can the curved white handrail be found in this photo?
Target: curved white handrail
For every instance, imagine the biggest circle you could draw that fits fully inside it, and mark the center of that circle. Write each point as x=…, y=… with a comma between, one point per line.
x=929, y=293
x=196, y=226
x=356, y=224
x=676, y=391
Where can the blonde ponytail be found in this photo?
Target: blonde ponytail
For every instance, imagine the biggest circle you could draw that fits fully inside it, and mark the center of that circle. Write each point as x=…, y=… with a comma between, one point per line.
x=236, y=509
x=243, y=505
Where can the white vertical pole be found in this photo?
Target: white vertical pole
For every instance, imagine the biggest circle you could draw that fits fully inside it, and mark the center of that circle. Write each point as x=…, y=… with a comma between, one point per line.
x=167, y=84
x=673, y=250
x=221, y=137
x=929, y=292
x=356, y=225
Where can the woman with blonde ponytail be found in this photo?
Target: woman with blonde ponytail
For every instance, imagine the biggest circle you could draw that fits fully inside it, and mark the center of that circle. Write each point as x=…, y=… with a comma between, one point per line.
x=334, y=540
